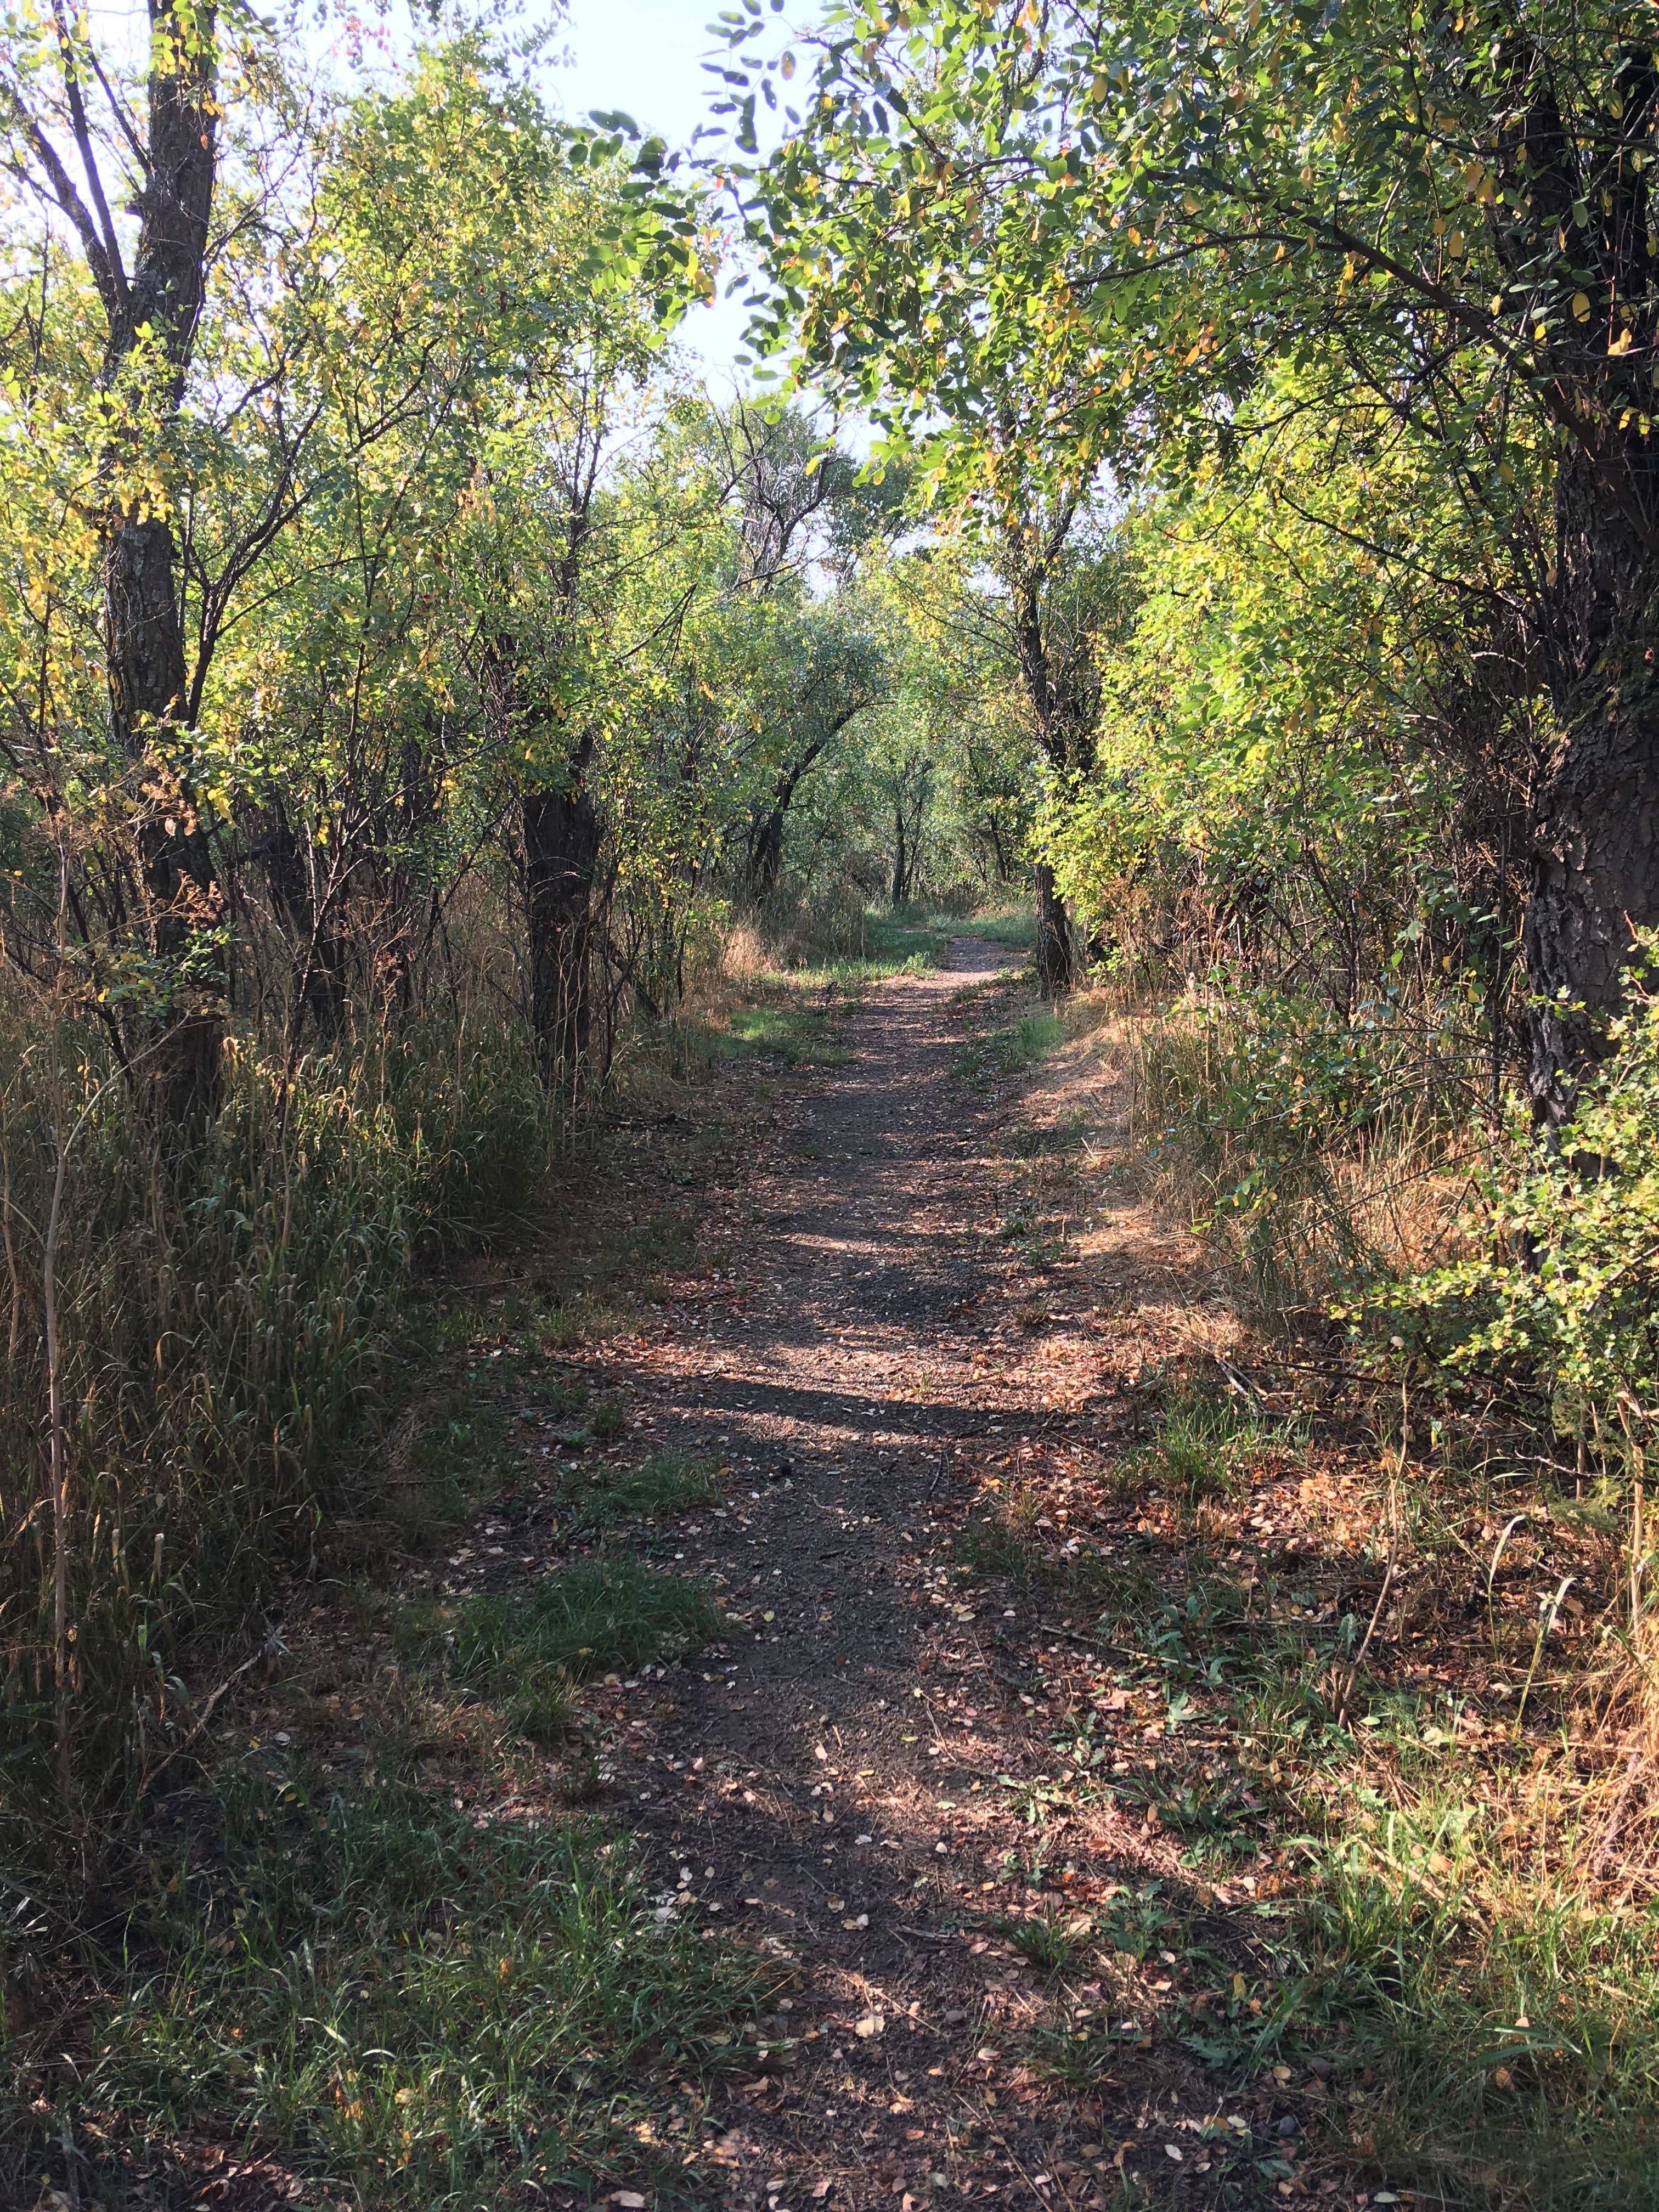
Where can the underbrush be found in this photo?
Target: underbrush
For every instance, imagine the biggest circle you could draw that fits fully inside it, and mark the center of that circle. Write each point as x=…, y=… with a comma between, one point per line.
x=391, y=1993
x=216, y=1326
x=1376, y=1597
x=1324, y=1155
x=1418, y=1886
x=392, y=2002
x=1557, y=1283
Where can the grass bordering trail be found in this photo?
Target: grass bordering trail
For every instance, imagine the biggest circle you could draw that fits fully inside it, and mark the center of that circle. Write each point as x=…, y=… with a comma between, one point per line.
x=379, y=1950
x=1378, y=1681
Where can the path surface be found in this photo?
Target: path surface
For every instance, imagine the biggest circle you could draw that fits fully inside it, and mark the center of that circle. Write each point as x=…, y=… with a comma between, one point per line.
x=843, y=1790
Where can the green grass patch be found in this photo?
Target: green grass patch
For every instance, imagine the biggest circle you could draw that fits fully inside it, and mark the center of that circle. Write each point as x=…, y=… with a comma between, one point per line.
x=409, y=2009
x=1013, y=927
x=905, y=937
x=667, y=1482
x=672, y=1482
x=1208, y=1444
x=1011, y=1049
x=1511, y=2015
x=605, y=1612
x=797, y=1034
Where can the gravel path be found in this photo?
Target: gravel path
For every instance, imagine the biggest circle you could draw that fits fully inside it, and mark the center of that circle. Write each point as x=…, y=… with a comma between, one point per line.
x=840, y=1788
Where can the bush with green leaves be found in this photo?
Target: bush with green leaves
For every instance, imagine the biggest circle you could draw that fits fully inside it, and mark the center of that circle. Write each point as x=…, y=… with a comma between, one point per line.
x=1562, y=1291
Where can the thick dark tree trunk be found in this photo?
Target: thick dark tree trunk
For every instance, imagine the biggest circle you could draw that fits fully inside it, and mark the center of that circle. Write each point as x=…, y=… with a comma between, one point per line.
x=901, y=859
x=144, y=639
x=1056, y=964
x=562, y=839
x=1579, y=202
x=764, y=862
x=1595, y=867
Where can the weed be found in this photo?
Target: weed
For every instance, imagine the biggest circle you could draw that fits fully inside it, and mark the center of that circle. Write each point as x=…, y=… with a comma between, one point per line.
x=412, y=2009
x=607, y=1612
x=989, y=1546
x=1140, y=1925
x=583, y=1779
x=672, y=1482
x=608, y=1420
x=666, y=1482
x=1074, y=2054
x=580, y=1319
x=542, y=1706
x=558, y=1394
x=665, y=1240
x=1049, y=1939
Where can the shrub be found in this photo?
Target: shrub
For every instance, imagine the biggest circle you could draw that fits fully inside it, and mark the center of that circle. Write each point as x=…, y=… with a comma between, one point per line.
x=219, y=1323
x=1564, y=1291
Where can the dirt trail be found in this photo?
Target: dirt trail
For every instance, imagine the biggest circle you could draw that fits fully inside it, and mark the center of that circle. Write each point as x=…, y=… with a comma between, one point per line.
x=841, y=1790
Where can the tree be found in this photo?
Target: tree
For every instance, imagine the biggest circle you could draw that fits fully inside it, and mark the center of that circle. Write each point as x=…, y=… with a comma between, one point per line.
x=825, y=666
x=802, y=512
x=1450, y=214
x=1048, y=627
x=151, y=289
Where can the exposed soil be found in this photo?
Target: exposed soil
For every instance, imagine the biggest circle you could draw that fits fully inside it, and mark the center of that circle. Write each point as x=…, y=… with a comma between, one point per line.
x=860, y=1784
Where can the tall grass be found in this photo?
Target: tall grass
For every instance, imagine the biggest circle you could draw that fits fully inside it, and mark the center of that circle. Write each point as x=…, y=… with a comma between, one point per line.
x=1480, y=1900
x=185, y=1345
x=1325, y=1155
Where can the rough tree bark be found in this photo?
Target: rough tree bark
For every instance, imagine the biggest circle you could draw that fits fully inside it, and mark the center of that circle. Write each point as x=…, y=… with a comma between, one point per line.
x=144, y=630
x=562, y=836
x=1056, y=956
x=1594, y=866
x=901, y=857
x=1063, y=729
x=764, y=861
x=152, y=314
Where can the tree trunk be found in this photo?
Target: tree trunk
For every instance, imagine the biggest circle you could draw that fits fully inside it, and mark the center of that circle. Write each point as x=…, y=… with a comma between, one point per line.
x=1063, y=718
x=144, y=642
x=1056, y=964
x=561, y=837
x=764, y=862
x=901, y=859
x=1594, y=863
x=1579, y=199
x=319, y=955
